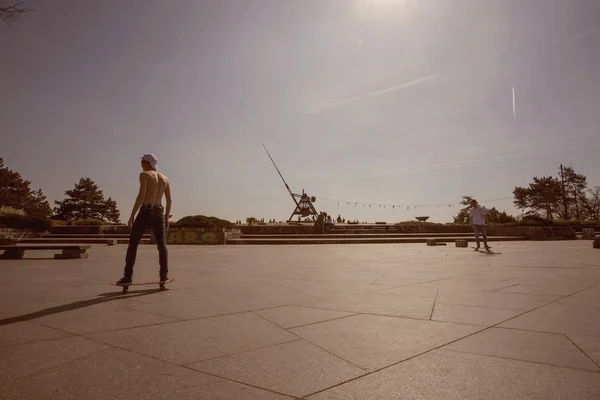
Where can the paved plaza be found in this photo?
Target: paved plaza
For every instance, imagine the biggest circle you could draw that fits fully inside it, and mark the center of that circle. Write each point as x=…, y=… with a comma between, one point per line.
x=364, y=322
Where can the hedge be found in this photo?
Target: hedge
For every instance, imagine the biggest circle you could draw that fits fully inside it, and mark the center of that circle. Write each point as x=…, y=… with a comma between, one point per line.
x=36, y=224
x=88, y=221
x=202, y=221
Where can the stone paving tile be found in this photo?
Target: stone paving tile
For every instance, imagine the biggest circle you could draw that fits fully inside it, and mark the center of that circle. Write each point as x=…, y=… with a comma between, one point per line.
x=76, y=291
x=545, y=348
x=54, y=314
x=555, y=289
x=397, y=306
x=558, y=318
x=280, y=284
x=463, y=285
x=588, y=343
x=427, y=276
x=447, y=375
x=511, y=301
x=39, y=356
x=50, y=313
x=296, y=368
x=118, y=374
x=112, y=321
x=493, y=274
x=331, y=289
x=385, y=281
x=226, y=302
x=591, y=292
x=472, y=315
x=356, y=276
x=575, y=280
x=373, y=342
x=12, y=305
x=196, y=340
x=412, y=291
x=27, y=332
x=581, y=301
x=291, y=316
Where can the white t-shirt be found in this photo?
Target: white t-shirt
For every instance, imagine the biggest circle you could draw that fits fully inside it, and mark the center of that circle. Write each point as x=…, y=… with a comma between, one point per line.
x=477, y=215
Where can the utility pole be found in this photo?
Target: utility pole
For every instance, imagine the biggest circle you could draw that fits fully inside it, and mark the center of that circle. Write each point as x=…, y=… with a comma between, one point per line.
x=562, y=179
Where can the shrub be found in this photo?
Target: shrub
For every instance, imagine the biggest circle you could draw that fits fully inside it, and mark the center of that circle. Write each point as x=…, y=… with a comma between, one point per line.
x=417, y=223
x=7, y=211
x=202, y=221
x=37, y=224
x=87, y=221
x=535, y=220
x=251, y=220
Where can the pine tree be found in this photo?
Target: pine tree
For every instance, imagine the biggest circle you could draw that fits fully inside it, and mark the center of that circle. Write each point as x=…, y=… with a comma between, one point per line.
x=16, y=192
x=492, y=215
x=543, y=194
x=111, y=213
x=86, y=201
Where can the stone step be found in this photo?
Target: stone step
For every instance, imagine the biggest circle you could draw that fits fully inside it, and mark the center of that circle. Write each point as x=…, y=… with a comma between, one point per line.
x=326, y=240
x=340, y=235
x=78, y=240
x=90, y=235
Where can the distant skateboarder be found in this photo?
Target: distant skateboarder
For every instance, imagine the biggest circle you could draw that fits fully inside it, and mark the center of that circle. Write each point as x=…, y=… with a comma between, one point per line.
x=153, y=185
x=477, y=214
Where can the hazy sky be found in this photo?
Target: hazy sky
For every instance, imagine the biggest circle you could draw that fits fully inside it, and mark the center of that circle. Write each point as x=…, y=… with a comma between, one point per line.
x=381, y=101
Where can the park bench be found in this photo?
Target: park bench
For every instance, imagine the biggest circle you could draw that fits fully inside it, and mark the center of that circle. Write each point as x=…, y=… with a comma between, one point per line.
x=16, y=252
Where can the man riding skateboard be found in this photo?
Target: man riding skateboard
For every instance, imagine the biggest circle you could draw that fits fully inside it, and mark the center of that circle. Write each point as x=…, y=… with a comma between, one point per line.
x=152, y=215
x=477, y=214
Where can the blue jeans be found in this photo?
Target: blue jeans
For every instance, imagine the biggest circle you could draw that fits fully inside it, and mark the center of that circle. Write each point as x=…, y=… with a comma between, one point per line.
x=153, y=217
x=480, y=230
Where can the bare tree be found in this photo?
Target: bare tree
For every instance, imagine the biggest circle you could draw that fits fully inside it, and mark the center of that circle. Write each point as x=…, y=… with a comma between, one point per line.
x=592, y=203
x=11, y=12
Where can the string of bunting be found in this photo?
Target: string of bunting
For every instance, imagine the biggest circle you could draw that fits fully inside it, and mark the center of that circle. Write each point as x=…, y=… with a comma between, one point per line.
x=395, y=206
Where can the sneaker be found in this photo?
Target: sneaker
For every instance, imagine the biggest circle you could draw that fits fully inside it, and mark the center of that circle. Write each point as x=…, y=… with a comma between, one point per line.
x=164, y=279
x=123, y=281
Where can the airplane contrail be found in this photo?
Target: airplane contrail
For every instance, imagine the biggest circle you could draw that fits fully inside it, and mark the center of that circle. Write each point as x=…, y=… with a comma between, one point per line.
x=514, y=105
x=372, y=94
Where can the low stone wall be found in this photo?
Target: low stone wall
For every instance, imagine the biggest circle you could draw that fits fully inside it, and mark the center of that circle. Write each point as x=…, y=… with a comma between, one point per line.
x=116, y=229
x=529, y=232
x=535, y=232
x=76, y=229
x=89, y=229
x=277, y=229
x=199, y=236
x=219, y=236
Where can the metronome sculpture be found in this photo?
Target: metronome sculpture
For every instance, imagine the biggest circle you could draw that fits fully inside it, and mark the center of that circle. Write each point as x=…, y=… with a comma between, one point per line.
x=304, y=206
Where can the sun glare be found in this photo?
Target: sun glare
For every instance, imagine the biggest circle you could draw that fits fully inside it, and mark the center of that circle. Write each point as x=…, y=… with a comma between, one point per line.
x=385, y=11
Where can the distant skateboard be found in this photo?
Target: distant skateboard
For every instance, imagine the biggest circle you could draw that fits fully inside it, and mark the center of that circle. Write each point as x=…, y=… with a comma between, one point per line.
x=488, y=250
x=161, y=284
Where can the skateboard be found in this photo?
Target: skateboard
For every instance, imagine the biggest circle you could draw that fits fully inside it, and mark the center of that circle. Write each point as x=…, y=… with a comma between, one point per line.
x=488, y=250
x=161, y=284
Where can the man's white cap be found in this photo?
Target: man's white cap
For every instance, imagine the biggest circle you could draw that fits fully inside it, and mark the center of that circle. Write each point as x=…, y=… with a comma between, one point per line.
x=152, y=160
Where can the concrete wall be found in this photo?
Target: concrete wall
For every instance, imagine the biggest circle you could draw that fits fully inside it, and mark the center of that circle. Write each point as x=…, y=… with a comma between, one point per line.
x=199, y=236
